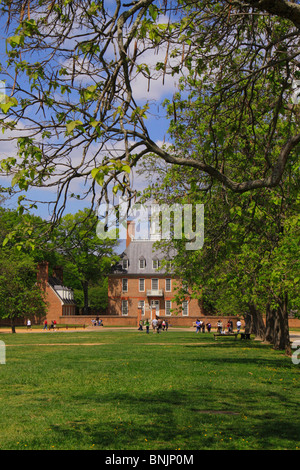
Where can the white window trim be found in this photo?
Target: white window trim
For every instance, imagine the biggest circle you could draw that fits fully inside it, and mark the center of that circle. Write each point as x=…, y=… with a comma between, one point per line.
x=125, y=279
x=126, y=303
x=142, y=267
x=168, y=279
x=155, y=261
x=155, y=279
x=141, y=279
x=168, y=314
x=187, y=308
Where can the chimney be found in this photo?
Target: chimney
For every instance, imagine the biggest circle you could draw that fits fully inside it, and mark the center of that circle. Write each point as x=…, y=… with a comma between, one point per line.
x=130, y=232
x=43, y=273
x=58, y=273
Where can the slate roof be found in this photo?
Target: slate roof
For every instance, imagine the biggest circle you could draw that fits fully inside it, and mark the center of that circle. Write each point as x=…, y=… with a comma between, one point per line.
x=61, y=291
x=142, y=249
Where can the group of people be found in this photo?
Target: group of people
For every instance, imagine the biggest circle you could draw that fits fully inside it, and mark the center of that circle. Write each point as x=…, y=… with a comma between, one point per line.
x=157, y=325
x=200, y=326
x=97, y=322
x=51, y=327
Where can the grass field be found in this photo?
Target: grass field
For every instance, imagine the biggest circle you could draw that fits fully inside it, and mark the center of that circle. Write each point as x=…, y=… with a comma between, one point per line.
x=126, y=390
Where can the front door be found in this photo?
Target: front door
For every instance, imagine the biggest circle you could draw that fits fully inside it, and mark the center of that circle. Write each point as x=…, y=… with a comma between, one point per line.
x=155, y=307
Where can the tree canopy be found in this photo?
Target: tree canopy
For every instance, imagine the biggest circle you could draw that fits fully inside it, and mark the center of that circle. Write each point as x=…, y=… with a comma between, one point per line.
x=86, y=258
x=73, y=108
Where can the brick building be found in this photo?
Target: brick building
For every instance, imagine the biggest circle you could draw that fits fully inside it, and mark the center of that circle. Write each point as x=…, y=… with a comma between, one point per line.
x=60, y=299
x=139, y=287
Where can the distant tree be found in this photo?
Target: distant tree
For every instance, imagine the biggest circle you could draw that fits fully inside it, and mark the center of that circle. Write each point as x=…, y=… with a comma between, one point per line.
x=85, y=257
x=20, y=295
x=98, y=296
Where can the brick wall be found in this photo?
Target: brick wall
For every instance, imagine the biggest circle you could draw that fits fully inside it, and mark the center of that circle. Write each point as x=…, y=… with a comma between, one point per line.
x=54, y=310
x=134, y=295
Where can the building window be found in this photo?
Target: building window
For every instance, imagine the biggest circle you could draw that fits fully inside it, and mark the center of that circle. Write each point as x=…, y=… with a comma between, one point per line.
x=125, y=263
x=154, y=284
x=142, y=306
x=155, y=264
x=168, y=285
x=168, y=306
x=125, y=285
x=142, y=263
x=169, y=266
x=142, y=285
x=185, y=308
x=124, y=307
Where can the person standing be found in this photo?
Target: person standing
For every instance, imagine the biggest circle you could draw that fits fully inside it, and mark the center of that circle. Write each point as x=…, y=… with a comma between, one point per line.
x=238, y=325
x=154, y=324
x=28, y=325
x=147, y=326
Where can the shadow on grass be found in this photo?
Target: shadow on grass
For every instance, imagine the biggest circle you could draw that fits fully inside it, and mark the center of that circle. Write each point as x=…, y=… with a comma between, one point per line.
x=165, y=421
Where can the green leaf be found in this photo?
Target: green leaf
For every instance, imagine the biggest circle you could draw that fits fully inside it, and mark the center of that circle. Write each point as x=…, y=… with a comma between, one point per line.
x=72, y=125
x=126, y=168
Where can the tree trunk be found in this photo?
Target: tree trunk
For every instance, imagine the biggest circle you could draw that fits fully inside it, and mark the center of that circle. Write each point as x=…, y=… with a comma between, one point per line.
x=269, y=324
x=254, y=323
x=281, y=326
x=12, y=324
x=85, y=287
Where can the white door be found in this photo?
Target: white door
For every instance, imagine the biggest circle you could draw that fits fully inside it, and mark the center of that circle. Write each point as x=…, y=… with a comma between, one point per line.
x=155, y=307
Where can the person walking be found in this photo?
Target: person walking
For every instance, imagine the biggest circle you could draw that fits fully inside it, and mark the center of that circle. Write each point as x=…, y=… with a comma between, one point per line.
x=238, y=325
x=45, y=325
x=147, y=326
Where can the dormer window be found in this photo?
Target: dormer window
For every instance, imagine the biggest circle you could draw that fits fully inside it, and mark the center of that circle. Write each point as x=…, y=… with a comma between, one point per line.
x=155, y=263
x=125, y=263
x=142, y=263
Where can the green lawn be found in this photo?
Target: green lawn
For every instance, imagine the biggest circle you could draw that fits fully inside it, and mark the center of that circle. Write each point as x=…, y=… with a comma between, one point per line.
x=126, y=390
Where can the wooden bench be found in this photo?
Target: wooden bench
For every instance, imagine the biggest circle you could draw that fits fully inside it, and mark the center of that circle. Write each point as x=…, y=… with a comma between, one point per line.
x=225, y=335
x=245, y=335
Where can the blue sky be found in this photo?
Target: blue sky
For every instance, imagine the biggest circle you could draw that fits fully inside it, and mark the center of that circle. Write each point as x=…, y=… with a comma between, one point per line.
x=157, y=127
